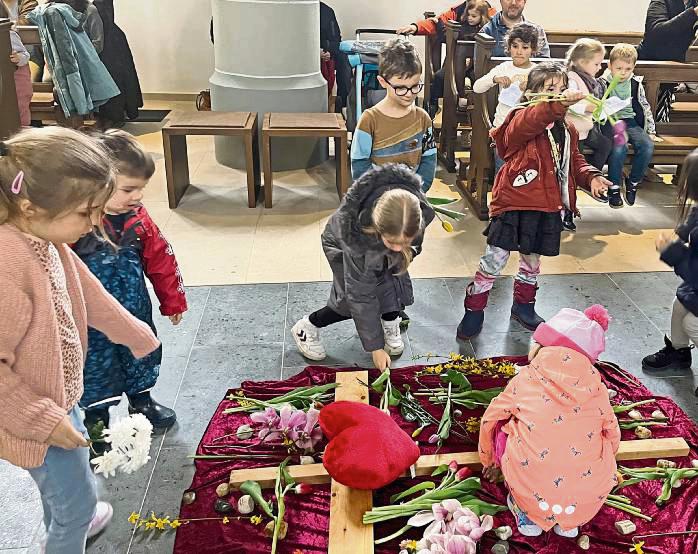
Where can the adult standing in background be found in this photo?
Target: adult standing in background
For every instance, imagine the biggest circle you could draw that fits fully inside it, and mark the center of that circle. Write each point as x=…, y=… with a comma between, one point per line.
x=669, y=31
x=19, y=9
x=511, y=14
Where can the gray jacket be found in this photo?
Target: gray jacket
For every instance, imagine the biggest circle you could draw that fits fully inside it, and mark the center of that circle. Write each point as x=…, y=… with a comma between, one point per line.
x=366, y=283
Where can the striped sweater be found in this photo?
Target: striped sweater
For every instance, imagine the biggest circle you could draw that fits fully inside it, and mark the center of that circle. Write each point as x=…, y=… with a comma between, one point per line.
x=380, y=139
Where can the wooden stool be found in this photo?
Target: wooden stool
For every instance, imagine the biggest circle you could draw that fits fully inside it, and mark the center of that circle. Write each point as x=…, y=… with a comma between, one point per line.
x=229, y=124
x=330, y=125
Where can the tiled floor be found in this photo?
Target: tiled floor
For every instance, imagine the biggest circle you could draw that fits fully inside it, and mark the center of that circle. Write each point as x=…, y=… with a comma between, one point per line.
x=282, y=244
x=239, y=332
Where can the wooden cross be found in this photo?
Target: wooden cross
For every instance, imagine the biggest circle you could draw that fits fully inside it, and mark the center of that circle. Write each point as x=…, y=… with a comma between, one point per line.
x=348, y=534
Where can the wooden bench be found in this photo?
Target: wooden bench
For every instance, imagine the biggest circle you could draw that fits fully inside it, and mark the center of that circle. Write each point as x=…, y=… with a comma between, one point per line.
x=9, y=112
x=475, y=181
x=458, y=101
x=174, y=141
x=313, y=125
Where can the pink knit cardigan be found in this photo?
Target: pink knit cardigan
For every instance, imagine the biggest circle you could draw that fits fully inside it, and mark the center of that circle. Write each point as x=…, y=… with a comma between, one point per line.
x=32, y=395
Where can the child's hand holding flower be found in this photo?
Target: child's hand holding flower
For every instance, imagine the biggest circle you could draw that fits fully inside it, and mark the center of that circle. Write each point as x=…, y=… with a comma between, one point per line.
x=571, y=97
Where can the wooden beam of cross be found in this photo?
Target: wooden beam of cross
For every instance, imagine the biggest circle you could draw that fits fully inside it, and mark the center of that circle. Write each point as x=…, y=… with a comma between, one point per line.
x=348, y=534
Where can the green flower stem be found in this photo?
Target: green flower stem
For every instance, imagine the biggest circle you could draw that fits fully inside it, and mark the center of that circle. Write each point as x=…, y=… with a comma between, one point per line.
x=628, y=509
x=395, y=535
x=627, y=407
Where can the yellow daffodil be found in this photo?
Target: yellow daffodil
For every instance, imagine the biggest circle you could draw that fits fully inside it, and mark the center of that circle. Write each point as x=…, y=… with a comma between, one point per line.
x=447, y=226
x=226, y=521
x=638, y=547
x=175, y=523
x=150, y=525
x=256, y=520
x=134, y=517
x=161, y=522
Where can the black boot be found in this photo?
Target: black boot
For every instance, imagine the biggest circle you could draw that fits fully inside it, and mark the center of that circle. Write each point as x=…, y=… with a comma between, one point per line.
x=474, y=318
x=668, y=358
x=96, y=421
x=160, y=416
x=523, y=308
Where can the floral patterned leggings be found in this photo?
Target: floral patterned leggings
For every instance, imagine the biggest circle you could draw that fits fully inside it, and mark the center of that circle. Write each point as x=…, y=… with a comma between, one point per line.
x=492, y=264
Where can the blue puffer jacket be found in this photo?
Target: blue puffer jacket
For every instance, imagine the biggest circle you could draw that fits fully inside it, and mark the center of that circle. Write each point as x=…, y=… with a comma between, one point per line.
x=682, y=255
x=82, y=82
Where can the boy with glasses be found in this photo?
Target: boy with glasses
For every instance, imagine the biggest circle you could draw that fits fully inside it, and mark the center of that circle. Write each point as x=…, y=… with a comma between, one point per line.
x=395, y=130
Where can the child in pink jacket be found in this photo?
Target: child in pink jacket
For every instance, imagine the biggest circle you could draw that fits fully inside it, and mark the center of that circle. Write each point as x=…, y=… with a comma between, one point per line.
x=552, y=431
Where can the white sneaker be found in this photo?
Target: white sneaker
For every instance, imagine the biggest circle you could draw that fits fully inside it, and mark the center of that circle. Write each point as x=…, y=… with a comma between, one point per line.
x=393, y=339
x=307, y=338
x=101, y=519
x=571, y=534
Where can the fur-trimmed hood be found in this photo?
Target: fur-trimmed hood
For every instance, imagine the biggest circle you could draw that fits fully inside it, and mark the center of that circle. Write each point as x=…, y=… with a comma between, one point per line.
x=354, y=214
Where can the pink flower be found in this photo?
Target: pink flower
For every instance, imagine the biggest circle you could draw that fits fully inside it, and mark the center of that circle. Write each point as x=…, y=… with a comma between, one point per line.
x=453, y=466
x=434, y=439
x=291, y=418
x=450, y=524
x=463, y=473
x=311, y=433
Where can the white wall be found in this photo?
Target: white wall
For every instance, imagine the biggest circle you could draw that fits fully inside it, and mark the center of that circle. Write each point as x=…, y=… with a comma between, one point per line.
x=170, y=42
x=171, y=46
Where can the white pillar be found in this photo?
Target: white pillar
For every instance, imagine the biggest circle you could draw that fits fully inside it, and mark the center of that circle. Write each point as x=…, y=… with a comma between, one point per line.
x=267, y=59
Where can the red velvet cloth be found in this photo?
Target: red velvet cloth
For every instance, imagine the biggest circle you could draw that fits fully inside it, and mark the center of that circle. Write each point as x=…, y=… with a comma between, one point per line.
x=308, y=516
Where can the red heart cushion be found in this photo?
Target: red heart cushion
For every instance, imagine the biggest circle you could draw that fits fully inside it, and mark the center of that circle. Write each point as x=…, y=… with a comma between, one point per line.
x=367, y=449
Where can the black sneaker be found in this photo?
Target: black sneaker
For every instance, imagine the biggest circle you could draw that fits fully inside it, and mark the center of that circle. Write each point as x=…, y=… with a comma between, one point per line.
x=568, y=222
x=614, y=198
x=668, y=358
x=630, y=193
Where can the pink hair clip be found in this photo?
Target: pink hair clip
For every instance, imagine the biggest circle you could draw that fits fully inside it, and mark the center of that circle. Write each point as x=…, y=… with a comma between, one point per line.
x=16, y=187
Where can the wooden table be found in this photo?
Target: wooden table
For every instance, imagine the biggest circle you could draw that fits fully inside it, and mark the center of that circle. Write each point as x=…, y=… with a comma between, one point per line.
x=229, y=124
x=330, y=125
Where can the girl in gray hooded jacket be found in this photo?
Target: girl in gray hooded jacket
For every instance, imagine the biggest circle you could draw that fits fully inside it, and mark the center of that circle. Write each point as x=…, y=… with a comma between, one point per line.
x=369, y=243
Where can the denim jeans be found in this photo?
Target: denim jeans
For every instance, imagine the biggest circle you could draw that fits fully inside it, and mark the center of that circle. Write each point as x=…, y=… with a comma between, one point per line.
x=643, y=147
x=68, y=494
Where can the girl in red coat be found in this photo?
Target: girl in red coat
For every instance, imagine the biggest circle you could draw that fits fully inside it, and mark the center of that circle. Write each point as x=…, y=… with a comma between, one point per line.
x=530, y=195
x=141, y=251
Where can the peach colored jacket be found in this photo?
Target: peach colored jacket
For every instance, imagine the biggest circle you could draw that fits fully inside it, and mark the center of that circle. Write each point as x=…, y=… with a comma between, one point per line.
x=32, y=395
x=559, y=462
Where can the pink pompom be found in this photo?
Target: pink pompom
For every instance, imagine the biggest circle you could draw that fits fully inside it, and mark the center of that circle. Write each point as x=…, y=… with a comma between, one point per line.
x=599, y=314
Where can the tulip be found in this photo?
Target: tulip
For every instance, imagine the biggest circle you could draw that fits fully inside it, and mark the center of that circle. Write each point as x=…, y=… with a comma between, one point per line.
x=453, y=466
x=463, y=473
x=303, y=488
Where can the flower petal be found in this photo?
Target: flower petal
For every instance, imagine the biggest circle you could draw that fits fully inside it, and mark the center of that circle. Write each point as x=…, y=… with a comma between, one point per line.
x=420, y=519
x=487, y=522
x=451, y=504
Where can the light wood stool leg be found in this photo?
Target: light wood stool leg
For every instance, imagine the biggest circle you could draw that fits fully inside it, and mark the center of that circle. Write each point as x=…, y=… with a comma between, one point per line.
x=268, y=176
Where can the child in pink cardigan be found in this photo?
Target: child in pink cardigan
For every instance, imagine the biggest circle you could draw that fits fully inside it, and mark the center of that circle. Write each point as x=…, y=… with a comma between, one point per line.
x=552, y=432
x=53, y=185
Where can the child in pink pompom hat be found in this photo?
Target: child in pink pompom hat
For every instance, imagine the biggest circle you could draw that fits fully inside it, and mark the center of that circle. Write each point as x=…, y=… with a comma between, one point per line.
x=552, y=432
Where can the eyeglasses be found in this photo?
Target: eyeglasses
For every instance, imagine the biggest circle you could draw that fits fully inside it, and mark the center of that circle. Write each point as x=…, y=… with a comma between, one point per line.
x=403, y=90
